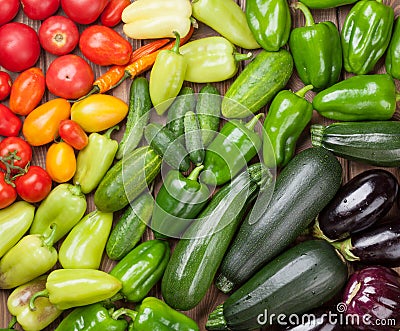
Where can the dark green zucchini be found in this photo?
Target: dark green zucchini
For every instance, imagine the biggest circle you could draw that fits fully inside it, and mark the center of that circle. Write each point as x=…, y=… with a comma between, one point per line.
x=374, y=142
x=130, y=227
x=198, y=254
x=303, y=188
x=193, y=140
x=258, y=83
x=302, y=278
x=127, y=179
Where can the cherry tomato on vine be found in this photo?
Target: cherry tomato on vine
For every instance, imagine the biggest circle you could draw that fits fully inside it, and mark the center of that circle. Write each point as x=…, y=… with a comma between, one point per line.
x=17, y=146
x=34, y=185
x=73, y=134
x=61, y=162
x=40, y=9
x=8, y=194
x=10, y=124
x=5, y=85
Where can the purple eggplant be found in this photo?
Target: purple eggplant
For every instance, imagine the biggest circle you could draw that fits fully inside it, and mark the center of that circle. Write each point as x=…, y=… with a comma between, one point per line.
x=358, y=204
x=377, y=245
x=372, y=296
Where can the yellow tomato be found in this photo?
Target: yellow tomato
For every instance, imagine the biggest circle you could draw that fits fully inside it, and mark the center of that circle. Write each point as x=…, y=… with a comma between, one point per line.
x=99, y=112
x=61, y=162
x=41, y=125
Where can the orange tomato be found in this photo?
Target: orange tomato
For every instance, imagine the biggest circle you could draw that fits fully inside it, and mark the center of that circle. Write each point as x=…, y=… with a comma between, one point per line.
x=61, y=162
x=99, y=112
x=41, y=125
x=27, y=91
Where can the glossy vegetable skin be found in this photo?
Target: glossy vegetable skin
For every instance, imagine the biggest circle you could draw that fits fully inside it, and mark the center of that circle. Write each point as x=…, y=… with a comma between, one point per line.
x=373, y=291
x=317, y=4
x=10, y=124
x=361, y=48
x=316, y=50
x=361, y=202
x=61, y=162
x=73, y=134
x=392, y=61
x=111, y=15
x=270, y=22
x=358, y=98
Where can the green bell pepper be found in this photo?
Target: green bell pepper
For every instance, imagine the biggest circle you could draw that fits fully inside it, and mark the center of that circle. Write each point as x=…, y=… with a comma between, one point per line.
x=18, y=306
x=270, y=22
x=316, y=50
x=178, y=202
x=95, y=159
x=287, y=117
x=359, y=98
x=235, y=145
x=141, y=269
x=31, y=257
x=365, y=35
x=318, y=4
x=166, y=77
x=84, y=245
x=64, y=206
x=211, y=59
x=227, y=18
x=15, y=220
x=94, y=317
x=154, y=314
x=67, y=288
x=392, y=61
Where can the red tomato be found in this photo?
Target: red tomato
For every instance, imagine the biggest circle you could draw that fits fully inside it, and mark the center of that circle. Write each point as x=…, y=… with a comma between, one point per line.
x=9, y=9
x=104, y=46
x=83, y=11
x=58, y=35
x=5, y=85
x=27, y=91
x=10, y=124
x=72, y=133
x=69, y=77
x=8, y=194
x=19, y=46
x=20, y=148
x=35, y=185
x=111, y=15
x=40, y=9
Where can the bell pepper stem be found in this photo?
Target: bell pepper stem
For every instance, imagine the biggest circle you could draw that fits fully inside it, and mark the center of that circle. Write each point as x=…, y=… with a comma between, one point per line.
x=124, y=311
x=43, y=293
x=195, y=173
x=307, y=13
x=252, y=123
x=302, y=92
x=116, y=297
x=48, y=239
x=175, y=49
x=75, y=189
x=242, y=57
x=12, y=322
x=110, y=130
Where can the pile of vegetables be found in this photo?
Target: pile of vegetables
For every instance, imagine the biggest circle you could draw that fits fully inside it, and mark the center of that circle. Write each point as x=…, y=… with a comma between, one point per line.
x=188, y=187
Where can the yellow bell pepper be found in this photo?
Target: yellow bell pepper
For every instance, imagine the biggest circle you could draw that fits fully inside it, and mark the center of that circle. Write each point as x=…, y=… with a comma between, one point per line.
x=99, y=112
x=157, y=18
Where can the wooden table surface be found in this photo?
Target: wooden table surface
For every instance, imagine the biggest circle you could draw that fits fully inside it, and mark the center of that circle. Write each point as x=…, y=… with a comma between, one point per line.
x=350, y=169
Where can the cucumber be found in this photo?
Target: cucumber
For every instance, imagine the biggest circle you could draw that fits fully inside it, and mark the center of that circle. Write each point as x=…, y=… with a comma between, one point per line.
x=374, y=142
x=127, y=179
x=138, y=116
x=257, y=84
x=130, y=227
x=193, y=140
x=161, y=139
x=197, y=255
x=208, y=110
x=183, y=103
x=303, y=188
x=302, y=278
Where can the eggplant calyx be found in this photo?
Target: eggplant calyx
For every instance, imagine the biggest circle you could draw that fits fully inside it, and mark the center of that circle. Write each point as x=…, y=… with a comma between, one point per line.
x=318, y=233
x=345, y=247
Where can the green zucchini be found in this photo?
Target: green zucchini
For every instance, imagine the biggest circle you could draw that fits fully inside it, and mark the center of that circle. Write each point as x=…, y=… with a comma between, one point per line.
x=303, y=188
x=138, y=116
x=197, y=255
x=183, y=103
x=374, y=142
x=130, y=227
x=257, y=84
x=161, y=139
x=302, y=278
x=208, y=110
x=193, y=140
x=127, y=179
